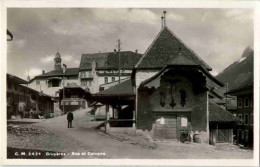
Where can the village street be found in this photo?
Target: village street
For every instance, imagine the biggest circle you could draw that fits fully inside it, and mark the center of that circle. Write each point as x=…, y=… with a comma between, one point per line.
x=83, y=138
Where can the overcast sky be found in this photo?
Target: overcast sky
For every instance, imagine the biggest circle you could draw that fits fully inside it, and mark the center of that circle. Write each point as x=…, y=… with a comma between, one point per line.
x=218, y=36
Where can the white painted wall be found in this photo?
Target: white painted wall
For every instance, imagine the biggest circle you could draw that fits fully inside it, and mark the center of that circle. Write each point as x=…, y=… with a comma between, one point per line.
x=43, y=86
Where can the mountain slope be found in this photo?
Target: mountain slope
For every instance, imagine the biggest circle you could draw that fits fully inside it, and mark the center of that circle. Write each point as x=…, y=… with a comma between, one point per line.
x=240, y=72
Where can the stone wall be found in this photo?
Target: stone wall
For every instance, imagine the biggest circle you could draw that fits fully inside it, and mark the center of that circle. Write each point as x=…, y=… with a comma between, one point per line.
x=196, y=106
x=142, y=75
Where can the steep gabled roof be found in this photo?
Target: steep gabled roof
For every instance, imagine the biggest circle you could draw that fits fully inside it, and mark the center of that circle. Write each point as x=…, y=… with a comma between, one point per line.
x=164, y=48
x=109, y=60
x=218, y=114
x=16, y=79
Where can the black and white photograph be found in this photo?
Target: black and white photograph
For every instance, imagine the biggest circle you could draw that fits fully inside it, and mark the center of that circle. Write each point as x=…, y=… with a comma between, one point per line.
x=134, y=83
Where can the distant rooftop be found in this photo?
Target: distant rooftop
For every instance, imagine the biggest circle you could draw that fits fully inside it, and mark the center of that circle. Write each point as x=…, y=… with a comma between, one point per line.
x=109, y=60
x=58, y=73
x=16, y=79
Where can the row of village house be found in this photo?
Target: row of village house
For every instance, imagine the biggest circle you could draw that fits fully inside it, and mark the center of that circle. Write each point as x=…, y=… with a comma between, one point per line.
x=161, y=93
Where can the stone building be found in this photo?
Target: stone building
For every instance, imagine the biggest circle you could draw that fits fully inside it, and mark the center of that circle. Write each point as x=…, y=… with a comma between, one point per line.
x=170, y=92
x=50, y=82
x=172, y=85
x=244, y=130
x=103, y=68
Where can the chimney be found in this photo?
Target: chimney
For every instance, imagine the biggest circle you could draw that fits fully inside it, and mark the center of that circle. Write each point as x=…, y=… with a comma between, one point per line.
x=43, y=71
x=136, y=51
x=162, y=21
x=64, y=68
x=114, y=51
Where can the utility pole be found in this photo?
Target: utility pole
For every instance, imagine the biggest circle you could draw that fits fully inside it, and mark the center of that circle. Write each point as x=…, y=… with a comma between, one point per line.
x=63, y=98
x=226, y=94
x=119, y=61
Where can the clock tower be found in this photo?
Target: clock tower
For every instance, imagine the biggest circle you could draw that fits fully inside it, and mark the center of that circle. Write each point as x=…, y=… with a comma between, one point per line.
x=57, y=62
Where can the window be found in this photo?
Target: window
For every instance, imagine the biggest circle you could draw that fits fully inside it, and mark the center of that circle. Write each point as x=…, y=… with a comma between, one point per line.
x=83, y=104
x=252, y=101
x=55, y=83
x=184, y=121
x=240, y=119
x=242, y=134
x=239, y=102
x=246, y=119
x=252, y=119
x=33, y=97
x=246, y=135
x=75, y=103
x=106, y=80
x=37, y=82
x=161, y=121
x=113, y=79
x=246, y=102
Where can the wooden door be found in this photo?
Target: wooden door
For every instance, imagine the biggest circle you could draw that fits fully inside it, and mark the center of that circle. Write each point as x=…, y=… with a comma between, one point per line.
x=165, y=127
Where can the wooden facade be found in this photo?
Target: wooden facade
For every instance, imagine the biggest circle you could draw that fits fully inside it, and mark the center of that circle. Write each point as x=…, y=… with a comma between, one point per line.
x=23, y=101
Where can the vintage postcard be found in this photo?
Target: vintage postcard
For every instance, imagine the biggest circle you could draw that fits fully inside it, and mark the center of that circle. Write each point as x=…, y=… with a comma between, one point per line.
x=130, y=83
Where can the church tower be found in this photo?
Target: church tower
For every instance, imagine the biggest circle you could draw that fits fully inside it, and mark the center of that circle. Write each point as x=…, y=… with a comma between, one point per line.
x=57, y=62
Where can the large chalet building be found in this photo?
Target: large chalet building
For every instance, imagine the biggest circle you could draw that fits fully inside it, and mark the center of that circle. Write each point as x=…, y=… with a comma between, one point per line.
x=24, y=102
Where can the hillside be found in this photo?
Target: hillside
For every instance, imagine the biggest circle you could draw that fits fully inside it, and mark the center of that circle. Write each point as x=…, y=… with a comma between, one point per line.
x=240, y=72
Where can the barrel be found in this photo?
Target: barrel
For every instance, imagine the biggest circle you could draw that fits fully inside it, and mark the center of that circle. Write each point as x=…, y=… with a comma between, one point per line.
x=197, y=138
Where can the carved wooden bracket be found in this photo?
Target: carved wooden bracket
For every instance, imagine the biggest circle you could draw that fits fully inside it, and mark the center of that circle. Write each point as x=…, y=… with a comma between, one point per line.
x=162, y=100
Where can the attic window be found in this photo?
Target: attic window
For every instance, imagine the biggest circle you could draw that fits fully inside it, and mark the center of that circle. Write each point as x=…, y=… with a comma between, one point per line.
x=179, y=48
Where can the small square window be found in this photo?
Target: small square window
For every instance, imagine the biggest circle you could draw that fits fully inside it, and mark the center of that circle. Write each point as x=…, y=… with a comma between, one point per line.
x=106, y=80
x=37, y=82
